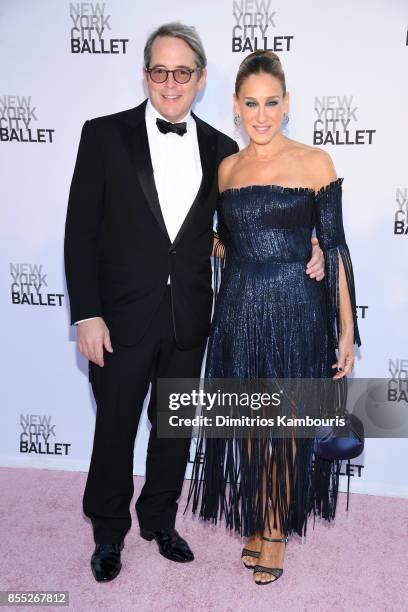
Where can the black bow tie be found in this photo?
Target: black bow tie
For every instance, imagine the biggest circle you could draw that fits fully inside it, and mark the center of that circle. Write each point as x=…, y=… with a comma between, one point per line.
x=165, y=127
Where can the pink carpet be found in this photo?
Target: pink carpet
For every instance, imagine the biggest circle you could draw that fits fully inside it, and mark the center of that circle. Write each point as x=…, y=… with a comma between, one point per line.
x=360, y=563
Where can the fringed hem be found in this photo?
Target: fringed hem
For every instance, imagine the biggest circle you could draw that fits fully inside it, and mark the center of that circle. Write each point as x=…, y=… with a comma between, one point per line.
x=283, y=188
x=333, y=290
x=258, y=485
x=336, y=183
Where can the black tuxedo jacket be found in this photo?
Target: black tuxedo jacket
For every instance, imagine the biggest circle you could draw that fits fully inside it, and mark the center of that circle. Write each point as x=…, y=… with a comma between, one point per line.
x=118, y=254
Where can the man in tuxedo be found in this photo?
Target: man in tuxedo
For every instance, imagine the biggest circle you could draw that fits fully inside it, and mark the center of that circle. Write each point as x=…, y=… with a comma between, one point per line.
x=138, y=241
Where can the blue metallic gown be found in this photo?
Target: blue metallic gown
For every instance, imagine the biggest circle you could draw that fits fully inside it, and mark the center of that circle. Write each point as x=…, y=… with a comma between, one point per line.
x=272, y=320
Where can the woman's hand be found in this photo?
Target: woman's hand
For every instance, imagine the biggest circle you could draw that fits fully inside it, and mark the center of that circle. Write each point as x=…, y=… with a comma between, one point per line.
x=315, y=267
x=345, y=360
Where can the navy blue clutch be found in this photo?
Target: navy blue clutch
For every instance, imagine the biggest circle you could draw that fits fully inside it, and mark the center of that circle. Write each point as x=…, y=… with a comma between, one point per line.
x=337, y=443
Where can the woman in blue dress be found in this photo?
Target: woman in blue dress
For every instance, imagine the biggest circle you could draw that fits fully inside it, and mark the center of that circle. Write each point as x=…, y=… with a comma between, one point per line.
x=271, y=320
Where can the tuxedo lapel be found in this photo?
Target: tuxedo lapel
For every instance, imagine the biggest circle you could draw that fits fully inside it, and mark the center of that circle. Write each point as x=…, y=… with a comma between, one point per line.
x=138, y=145
x=142, y=162
x=207, y=147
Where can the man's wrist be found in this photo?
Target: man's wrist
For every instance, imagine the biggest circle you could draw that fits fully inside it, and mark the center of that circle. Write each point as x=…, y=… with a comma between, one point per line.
x=82, y=320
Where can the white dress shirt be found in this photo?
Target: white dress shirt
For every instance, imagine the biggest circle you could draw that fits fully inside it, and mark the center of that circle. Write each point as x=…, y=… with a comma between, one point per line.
x=177, y=170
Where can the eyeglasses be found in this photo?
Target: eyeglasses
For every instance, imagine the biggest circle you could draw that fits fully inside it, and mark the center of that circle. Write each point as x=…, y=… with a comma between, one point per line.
x=180, y=75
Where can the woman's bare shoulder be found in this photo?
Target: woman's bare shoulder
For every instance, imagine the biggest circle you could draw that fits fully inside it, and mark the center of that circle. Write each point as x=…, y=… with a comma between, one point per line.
x=319, y=166
x=229, y=162
x=322, y=168
x=225, y=169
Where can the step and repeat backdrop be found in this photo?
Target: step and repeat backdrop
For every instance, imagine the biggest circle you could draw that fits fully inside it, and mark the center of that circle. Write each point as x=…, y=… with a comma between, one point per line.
x=65, y=62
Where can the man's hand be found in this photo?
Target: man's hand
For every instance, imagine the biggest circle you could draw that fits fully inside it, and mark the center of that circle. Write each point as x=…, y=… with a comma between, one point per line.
x=315, y=267
x=92, y=336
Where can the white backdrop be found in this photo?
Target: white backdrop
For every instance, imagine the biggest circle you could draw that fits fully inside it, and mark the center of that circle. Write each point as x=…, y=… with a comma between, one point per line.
x=345, y=62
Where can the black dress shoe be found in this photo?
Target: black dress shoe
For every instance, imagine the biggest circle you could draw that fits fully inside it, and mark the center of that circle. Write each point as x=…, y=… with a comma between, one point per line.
x=171, y=545
x=105, y=561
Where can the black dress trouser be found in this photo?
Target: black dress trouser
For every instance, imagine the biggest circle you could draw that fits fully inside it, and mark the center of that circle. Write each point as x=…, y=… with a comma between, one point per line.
x=119, y=389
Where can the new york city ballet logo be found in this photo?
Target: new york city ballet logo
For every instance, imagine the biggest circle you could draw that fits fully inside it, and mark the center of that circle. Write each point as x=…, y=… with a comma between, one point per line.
x=361, y=312
x=398, y=383
x=401, y=213
x=254, y=28
x=335, y=123
x=38, y=436
x=351, y=470
x=91, y=29
x=29, y=286
x=18, y=117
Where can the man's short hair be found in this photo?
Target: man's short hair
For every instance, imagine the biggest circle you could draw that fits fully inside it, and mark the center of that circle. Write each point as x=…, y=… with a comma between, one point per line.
x=178, y=30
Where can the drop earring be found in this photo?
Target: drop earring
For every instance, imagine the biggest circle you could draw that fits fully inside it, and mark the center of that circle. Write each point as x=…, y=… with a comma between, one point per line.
x=237, y=120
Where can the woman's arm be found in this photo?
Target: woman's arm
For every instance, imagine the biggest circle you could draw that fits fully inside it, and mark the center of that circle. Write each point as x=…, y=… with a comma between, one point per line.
x=346, y=356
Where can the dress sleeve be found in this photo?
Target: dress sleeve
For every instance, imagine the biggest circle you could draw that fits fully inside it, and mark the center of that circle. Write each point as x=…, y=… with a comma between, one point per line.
x=220, y=251
x=330, y=233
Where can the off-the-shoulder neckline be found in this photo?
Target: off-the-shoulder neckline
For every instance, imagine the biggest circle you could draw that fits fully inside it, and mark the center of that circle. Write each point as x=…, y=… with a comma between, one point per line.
x=282, y=189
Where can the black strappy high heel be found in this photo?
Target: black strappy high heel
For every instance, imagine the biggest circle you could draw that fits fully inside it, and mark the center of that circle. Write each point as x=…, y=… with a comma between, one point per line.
x=274, y=571
x=249, y=553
